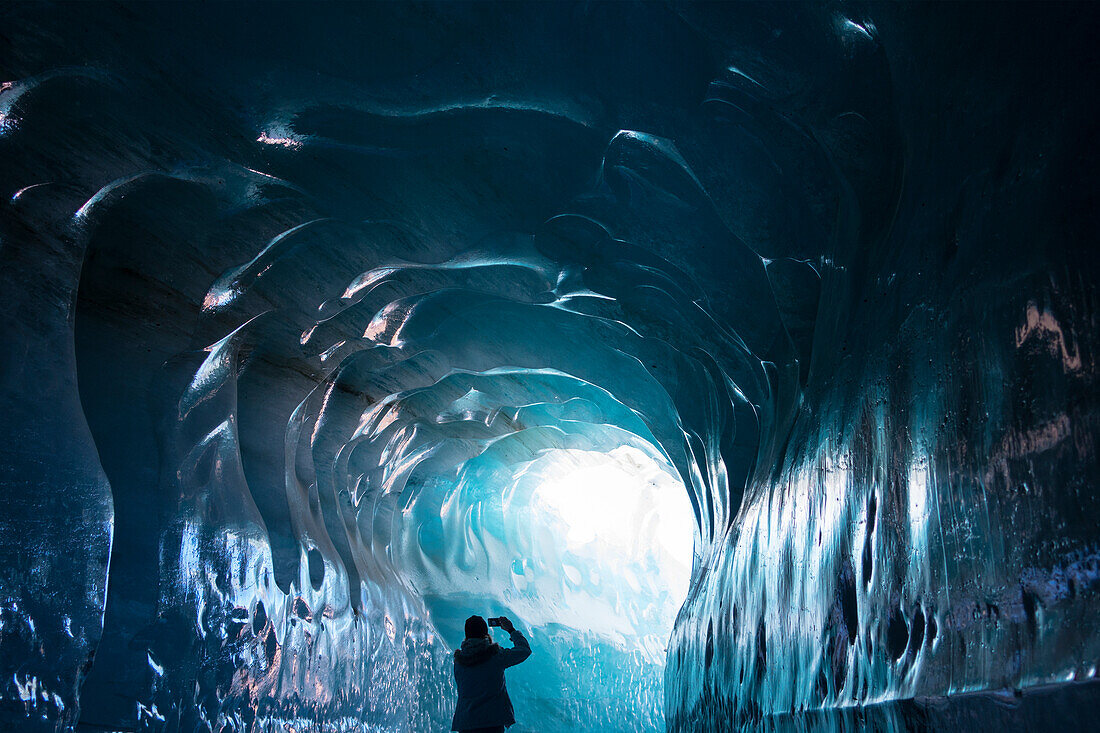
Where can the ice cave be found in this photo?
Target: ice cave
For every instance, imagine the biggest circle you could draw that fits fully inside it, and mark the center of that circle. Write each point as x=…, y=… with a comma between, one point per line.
x=744, y=354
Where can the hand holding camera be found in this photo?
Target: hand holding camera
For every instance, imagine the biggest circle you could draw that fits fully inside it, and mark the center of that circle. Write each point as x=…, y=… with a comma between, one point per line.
x=502, y=622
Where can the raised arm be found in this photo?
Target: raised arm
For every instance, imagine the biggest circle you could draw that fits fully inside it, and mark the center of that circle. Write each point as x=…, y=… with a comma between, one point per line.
x=520, y=648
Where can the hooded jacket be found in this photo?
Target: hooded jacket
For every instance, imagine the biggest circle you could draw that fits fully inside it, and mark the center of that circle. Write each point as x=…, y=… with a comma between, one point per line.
x=479, y=675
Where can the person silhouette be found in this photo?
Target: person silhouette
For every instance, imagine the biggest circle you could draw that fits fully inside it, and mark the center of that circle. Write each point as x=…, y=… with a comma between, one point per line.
x=483, y=704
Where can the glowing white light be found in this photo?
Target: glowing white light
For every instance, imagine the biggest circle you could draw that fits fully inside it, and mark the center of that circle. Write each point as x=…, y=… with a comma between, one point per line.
x=623, y=507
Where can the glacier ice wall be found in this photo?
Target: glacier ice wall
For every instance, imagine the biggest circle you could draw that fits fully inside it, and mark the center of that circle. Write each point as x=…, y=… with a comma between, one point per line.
x=316, y=318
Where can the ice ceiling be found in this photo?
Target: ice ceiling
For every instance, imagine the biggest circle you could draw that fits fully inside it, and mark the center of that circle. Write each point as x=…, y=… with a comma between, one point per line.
x=745, y=355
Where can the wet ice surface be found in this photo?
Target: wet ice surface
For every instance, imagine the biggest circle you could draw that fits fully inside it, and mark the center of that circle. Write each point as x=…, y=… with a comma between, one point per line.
x=329, y=327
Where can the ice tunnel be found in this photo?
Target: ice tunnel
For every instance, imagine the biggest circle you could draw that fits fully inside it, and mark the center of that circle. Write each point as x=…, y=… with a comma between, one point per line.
x=745, y=355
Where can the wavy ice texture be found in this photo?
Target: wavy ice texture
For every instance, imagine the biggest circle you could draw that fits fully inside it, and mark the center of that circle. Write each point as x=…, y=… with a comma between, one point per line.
x=377, y=317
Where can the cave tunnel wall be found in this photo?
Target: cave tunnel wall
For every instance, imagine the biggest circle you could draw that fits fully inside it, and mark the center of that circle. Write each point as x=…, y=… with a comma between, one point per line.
x=304, y=304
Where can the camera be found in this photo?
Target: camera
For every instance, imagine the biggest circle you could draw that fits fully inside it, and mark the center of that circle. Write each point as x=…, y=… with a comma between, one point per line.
x=494, y=621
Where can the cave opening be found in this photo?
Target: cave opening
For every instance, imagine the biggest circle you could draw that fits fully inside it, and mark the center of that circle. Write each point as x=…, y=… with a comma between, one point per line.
x=590, y=551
